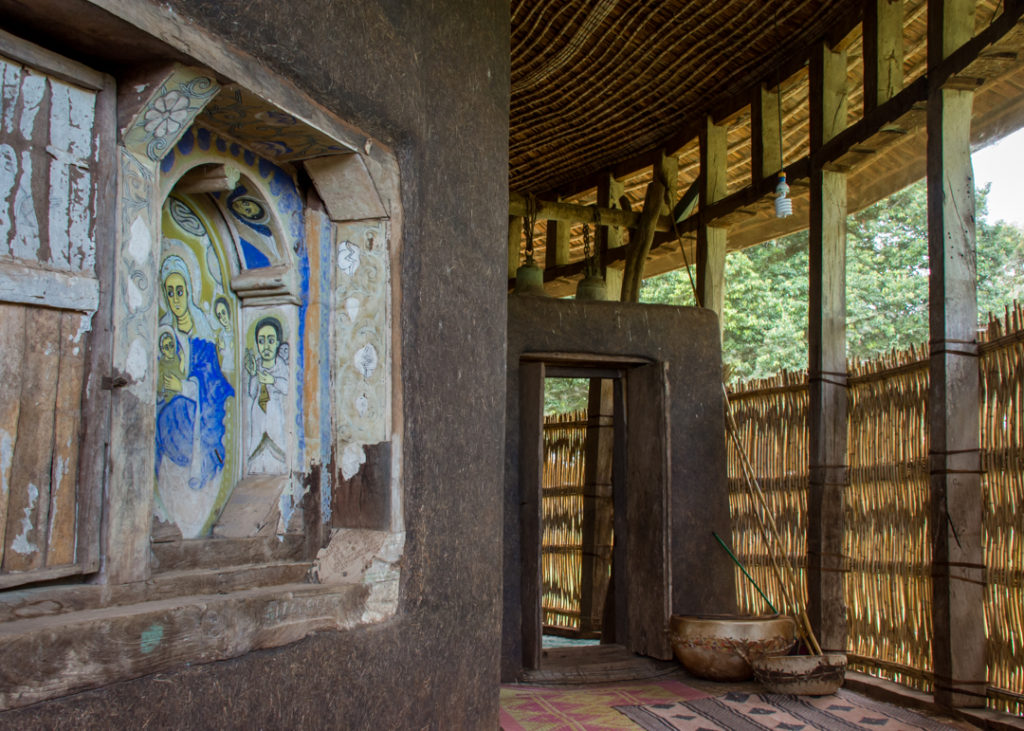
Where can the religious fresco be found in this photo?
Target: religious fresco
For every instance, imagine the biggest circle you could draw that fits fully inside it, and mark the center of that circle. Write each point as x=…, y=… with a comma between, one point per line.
x=267, y=427
x=271, y=132
x=196, y=463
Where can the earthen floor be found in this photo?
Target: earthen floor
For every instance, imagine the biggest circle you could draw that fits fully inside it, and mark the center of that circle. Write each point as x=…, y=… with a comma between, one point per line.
x=578, y=688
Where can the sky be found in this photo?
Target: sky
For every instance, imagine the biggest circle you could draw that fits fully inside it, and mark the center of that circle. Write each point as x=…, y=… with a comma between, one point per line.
x=1002, y=164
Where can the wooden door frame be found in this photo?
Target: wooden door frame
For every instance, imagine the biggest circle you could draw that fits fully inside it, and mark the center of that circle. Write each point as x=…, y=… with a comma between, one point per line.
x=534, y=369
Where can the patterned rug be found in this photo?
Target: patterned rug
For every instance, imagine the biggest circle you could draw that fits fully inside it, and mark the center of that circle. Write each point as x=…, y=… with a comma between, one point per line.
x=755, y=712
x=590, y=707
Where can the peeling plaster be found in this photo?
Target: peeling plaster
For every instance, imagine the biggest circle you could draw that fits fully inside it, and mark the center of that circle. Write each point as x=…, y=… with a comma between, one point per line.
x=21, y=543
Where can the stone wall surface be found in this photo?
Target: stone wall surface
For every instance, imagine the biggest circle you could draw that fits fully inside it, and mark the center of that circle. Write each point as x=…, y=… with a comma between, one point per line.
x=431, y=79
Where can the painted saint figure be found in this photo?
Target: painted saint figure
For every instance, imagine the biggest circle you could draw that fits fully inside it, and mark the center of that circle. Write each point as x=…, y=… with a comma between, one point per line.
x=226, y=334
x=169, y=364
x=268, y=387
x=192, y=398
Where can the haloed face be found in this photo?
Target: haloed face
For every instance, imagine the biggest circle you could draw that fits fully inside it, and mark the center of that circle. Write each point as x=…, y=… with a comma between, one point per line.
x=221, y=312
x=267, y=344
x=167, y=346
x=174, y=287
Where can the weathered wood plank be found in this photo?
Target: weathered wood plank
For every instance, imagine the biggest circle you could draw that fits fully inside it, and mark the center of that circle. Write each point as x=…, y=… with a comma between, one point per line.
x=647, y=582
x=64, y=654
x=48, y=62
x=66, y=433
x=92, y=456
x=224, y=552
x=29, y=500
x=12, y=345
x=531, y=466
x=52, y=601
x=60, y=290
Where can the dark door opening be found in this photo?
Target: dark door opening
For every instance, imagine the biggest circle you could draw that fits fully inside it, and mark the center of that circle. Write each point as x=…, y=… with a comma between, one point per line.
x=577, y=512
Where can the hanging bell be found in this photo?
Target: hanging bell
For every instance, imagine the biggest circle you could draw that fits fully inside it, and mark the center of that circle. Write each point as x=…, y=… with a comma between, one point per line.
x=783, y=204
x=530, y=280
x=593, y=288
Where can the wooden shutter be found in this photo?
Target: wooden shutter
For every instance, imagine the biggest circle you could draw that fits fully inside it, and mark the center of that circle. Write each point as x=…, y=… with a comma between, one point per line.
x=56, y=138
x=647, y=579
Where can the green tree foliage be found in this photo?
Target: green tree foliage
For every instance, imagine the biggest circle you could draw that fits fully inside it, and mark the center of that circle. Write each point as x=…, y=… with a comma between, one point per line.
x=886, y=286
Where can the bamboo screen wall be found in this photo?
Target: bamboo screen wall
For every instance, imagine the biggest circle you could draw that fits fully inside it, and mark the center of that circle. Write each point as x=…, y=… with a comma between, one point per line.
x=888, y=585
x=562, y=519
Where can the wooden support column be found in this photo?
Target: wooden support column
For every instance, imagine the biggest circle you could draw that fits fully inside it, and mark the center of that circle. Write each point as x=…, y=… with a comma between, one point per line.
x=597, y=504
x=711, y=240
x=958, y=573
x=765, y=141
x=557, y=245
x=883, y=51
x=609, y=191
x=827, y=360
x=515, y=240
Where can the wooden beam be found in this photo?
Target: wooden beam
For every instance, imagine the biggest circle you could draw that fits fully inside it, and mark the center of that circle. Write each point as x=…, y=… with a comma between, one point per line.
x=958, y=573
x=826, y=334
x=710, y=239
x=883, y=51
x=574, y=213
x=609, y=193
x=765, y=138
x=556, y=250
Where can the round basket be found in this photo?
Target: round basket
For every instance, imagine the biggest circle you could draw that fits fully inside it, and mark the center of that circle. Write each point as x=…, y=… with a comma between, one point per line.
x=801, y=674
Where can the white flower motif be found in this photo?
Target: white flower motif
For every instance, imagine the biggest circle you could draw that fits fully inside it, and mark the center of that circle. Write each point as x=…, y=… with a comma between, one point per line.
x=167, y=114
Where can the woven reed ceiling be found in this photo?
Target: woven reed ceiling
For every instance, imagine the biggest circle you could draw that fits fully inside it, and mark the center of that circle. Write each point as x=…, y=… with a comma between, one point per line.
x=595, y=82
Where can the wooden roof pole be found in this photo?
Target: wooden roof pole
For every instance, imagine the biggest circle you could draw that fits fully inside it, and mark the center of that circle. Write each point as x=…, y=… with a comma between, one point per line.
x=714, y=177
x=826, y=368
x=958, y=572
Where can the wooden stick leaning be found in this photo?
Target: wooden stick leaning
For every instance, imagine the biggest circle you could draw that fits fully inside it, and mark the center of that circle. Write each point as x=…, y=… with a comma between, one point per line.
x=770, y=533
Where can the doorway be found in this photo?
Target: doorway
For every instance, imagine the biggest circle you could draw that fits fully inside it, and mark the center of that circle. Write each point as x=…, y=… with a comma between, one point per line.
x=622, y=522
x=577, y=512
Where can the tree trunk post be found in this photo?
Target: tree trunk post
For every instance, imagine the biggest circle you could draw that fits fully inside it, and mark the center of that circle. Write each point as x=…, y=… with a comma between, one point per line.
x=958, y=572
x=829, y=473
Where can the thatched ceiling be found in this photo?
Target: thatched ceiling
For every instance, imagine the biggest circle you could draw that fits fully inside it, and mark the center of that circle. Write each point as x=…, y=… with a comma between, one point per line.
x=595, y=82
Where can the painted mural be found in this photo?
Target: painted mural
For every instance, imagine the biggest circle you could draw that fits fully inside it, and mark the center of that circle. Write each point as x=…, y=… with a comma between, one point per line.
x=197, y=362
x=267, y=367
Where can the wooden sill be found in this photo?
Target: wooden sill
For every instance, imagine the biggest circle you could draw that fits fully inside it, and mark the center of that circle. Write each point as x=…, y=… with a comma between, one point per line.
x=55, y=653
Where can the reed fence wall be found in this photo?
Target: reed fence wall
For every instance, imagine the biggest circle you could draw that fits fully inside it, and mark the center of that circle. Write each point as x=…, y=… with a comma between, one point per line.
x=562, y=519
x=887, y=542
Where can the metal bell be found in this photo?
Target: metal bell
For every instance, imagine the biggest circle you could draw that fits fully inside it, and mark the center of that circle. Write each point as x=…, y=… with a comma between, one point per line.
x=592, y=288
x=530, y=280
